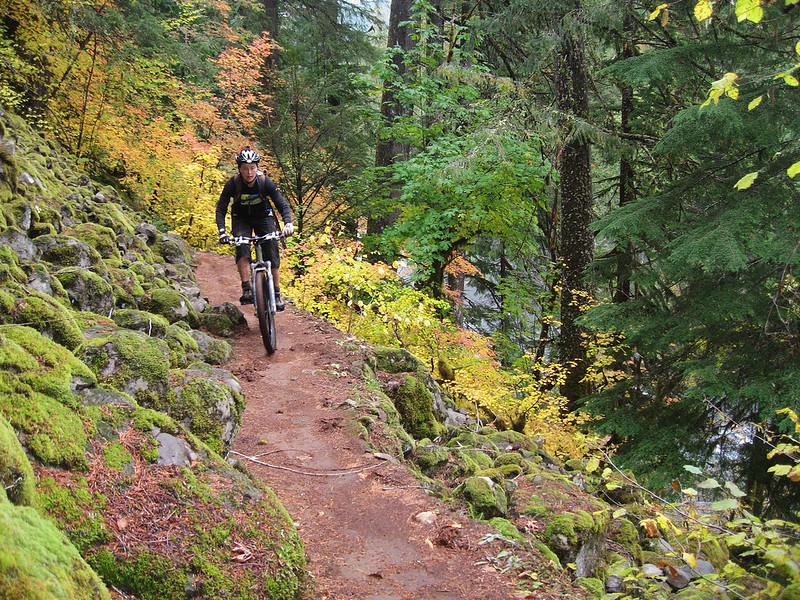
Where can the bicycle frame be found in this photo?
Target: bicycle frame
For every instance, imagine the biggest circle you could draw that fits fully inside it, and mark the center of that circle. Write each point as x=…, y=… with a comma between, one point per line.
x=263, y=286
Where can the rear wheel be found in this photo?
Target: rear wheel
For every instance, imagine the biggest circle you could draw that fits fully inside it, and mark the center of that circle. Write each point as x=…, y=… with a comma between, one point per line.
x=266, y=319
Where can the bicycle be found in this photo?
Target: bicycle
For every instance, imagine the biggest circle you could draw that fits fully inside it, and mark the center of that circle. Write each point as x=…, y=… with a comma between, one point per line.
x=263, y=287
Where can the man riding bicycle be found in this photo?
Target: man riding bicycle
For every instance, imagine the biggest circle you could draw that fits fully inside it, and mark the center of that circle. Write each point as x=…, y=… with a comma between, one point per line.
x=252, y=213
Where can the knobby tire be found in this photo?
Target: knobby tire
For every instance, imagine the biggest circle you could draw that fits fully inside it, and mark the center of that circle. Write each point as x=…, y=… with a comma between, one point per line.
x=266, y=320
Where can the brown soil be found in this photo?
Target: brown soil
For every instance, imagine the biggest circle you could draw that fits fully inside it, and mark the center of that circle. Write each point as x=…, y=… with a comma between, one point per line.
x=354, y=511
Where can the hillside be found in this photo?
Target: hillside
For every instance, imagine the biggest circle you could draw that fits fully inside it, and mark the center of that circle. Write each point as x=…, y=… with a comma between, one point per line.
x=148, y=448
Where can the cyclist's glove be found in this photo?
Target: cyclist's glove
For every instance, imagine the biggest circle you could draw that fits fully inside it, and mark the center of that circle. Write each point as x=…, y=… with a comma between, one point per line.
x=288, y=230
x=224, y=237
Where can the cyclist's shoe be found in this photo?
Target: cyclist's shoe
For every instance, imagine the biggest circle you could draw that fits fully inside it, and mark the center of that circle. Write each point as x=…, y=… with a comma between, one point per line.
x=247, y=294
x=279, y=303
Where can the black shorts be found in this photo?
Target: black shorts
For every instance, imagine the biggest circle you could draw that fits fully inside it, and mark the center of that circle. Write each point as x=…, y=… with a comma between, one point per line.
x=256, y=225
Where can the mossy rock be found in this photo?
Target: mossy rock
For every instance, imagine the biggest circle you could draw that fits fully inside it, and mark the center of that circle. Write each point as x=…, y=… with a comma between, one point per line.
x=170, y=304
x=471, y=460
x=183, y=347
x=87, y=291
x=415, y=404
x=77, y=509
x=103, y=239
x=131, y=362
x=66, y=251
x=509, y=458
x=173, y=249
x=211, y=409
x=486, y=498
x=506, y=528
x=469, y=439
x=691, y=593
x=140, y=320
x=37, y=562
x=790, y=592
x=214, y=351
x=10, y=271
x=509, y=439
x=45, y=314
x=624, y=533
x=429, y=458
x=16, y=473
x=395, y=360
x=47, y=367
x=126, y=286
x=510, y=471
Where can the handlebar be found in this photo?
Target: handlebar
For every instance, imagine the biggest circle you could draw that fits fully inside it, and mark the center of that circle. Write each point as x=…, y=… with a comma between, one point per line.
x=243, y=240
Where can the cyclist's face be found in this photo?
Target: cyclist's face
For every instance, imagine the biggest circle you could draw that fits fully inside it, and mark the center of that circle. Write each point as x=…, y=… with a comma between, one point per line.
x=248, y=171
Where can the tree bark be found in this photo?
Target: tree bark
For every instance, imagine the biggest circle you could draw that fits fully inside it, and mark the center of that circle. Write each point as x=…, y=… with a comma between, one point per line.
x=389, y=150
x=572, y=100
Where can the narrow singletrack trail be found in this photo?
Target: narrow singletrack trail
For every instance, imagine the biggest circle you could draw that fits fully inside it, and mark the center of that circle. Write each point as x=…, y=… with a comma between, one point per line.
x=356, y=513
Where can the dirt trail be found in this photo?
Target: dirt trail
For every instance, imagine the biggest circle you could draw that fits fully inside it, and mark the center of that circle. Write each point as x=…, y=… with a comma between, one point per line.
x=355, y=512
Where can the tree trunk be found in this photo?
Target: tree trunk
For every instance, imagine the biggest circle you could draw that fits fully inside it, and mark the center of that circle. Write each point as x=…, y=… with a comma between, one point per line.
x=272, y=22
x=626, y=175
x=576, y=209
x=389, y=150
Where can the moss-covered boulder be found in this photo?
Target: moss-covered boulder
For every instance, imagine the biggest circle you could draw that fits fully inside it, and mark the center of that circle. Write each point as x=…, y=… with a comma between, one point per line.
x=173, y=249
x=66, y=251
x=223, y=320
x=132, y=362
x=42, y=564
x=209, y=403
x=485, y=497
x=127, y=288
x=47, y=315
x=170, y=304
x=87, y=291
x=415, y=404
x=16, y=473
x=99, y=237
x=395, y=360
x=141, y=320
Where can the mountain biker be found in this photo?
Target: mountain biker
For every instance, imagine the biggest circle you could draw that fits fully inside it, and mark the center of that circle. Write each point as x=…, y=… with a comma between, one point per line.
x=251, y=212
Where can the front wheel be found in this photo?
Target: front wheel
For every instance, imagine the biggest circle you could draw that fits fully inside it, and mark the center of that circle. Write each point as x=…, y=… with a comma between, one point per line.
x=266, y=318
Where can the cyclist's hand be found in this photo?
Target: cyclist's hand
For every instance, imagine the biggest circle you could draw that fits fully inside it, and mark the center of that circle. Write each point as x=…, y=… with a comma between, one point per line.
x=224, y=237
x=288, y=230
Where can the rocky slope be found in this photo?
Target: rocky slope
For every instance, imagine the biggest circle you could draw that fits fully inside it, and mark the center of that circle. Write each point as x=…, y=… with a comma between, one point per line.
x=115, y=411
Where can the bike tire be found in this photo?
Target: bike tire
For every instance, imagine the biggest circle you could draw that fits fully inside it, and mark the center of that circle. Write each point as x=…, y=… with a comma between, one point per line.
x=266, y=320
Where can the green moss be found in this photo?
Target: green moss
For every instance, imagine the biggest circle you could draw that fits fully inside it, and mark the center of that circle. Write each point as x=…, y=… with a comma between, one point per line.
x=429, y=457
x=415, y=404
x=574, y=525
x=132, y=362
x=10, y=270
x=509, y=458
x=82, y=284
x=50, y=317
x=486, y=499
x=182, y=345
x=37, y=562
x=625, y=533
x=126, y=286
x=145, y=575
x=102, y=239
x=16, y=473
x=117, y=456
x=66, y=251
x=146, y=419
x=170, y=304
x=77, y=510
x=53, y=433
x=791, y=592
x=395, y=360
x=594, y=586
x=506, y=528
x=510, y=471
x=139, y=320
x=46, y=366
x=199, y=405
x=471, y=460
